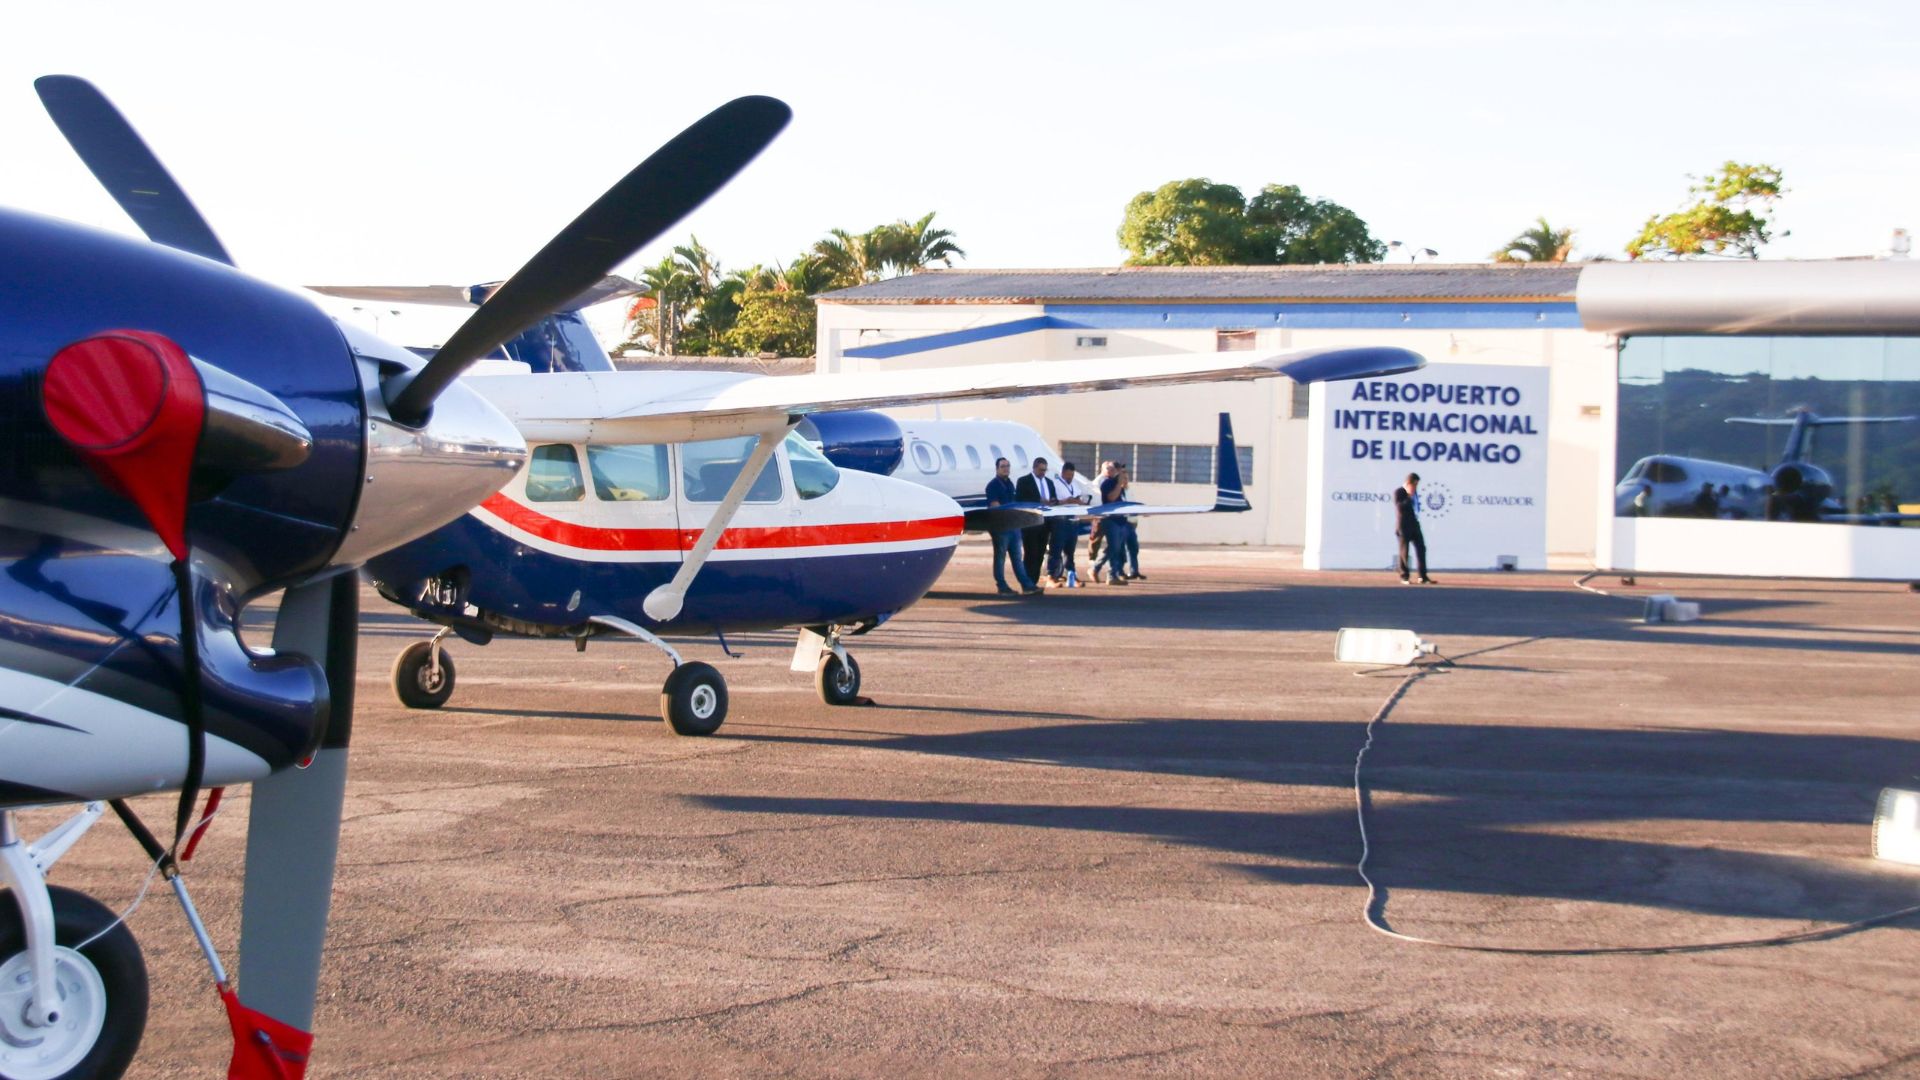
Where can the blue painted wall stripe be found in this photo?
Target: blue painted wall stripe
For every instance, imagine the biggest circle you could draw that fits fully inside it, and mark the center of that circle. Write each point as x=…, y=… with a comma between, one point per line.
x=887, y=349
x=1559, y=315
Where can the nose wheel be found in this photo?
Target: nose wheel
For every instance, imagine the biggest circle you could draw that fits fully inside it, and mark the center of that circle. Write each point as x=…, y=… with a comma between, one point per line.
x=838, y=678
x=423, y=675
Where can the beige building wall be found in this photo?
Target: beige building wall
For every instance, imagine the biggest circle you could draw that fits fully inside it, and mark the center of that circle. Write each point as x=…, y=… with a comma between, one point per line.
x=1581, y=408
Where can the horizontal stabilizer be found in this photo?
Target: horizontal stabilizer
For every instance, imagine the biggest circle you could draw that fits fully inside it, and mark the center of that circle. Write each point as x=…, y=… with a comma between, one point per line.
x=1811, y=420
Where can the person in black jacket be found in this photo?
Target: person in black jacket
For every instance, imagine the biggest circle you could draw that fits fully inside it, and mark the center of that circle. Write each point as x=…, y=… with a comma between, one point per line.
x=1036, y=487
x=1406, y=506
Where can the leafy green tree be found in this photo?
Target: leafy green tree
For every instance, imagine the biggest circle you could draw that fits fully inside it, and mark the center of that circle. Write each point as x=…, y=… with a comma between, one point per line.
x=1732, y=217
x=1289, y=228
x=1539, y=244
x=1200, y=223
x=1192, y=222
x=776, y=319
x=908, y=247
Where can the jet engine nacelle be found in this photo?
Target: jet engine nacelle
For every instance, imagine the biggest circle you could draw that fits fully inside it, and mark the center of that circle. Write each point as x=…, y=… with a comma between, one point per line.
x=864, y=441
x=1801, y=489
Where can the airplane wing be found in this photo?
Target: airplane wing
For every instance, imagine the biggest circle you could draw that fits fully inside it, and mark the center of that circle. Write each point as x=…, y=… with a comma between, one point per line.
x=1229, y=497
x=632, y=407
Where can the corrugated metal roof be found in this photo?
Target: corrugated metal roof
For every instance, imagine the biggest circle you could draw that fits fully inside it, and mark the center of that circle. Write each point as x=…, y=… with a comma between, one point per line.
x=1466, y=281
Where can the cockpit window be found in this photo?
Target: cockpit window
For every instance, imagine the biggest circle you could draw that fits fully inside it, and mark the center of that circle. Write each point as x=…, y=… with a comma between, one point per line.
x=708, y=469
x=632, y=473
x=1666, y=472
x=553, y=475
x=813, y=474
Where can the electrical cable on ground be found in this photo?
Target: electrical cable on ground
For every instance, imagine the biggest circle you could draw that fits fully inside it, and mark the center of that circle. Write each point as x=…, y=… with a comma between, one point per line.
x=1378, y=922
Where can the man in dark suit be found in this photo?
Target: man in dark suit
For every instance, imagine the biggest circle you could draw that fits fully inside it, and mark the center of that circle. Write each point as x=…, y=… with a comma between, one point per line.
x=1406, y=506
x=1036, y=487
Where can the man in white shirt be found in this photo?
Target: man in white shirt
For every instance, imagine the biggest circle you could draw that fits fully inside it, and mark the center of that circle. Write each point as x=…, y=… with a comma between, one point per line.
x=1067, y=490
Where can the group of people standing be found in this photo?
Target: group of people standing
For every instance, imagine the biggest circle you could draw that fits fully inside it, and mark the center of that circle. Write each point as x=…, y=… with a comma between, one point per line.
x=1055, y=543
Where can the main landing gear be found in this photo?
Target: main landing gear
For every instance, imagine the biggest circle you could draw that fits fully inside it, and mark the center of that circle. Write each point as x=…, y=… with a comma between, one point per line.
x=73, y=988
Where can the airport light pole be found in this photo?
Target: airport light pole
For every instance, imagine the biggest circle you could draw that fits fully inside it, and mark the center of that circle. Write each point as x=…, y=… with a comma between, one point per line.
x=1413, y=253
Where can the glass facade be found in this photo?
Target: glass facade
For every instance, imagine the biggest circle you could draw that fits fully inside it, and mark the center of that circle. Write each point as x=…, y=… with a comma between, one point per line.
x=1818, y=429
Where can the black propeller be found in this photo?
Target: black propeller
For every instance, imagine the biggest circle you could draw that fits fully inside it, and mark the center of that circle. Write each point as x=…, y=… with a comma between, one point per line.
x=658, y=192
x=125, y=167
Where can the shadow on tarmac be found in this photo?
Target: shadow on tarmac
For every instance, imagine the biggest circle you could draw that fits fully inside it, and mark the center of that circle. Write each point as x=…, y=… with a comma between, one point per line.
x=1486, y=804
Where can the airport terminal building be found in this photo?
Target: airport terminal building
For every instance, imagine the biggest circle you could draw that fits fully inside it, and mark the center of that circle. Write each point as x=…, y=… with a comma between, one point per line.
x=1545, y=384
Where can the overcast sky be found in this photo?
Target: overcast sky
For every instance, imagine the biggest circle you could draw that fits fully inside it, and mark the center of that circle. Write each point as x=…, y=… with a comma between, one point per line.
x=361, y=142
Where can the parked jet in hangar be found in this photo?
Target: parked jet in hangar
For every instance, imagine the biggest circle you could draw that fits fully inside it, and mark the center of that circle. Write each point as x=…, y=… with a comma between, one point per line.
x=1666, y=485
x=664, y=501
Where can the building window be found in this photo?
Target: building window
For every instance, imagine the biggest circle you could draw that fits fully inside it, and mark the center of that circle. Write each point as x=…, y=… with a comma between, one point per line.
x=1084, y=342
x=1302, y=400
x=1193, y=464
x=1082, y=455
x=1245, y=456
x=1153, y=463
x=1120, y=453
x=1233, y=340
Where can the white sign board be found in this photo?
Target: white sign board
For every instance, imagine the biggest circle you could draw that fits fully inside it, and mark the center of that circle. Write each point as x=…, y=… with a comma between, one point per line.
x=1476, y=434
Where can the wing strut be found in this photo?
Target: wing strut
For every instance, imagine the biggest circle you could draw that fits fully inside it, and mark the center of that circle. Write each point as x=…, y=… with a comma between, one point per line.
x=664, y=603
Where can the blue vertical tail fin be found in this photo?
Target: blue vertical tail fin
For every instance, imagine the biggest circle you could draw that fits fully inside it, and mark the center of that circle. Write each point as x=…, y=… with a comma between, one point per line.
x=1229, y=495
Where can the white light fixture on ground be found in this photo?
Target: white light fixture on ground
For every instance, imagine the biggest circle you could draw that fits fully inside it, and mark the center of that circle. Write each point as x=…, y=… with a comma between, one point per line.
x=1896, y=826
x=1665, y=608
x=1377, y=645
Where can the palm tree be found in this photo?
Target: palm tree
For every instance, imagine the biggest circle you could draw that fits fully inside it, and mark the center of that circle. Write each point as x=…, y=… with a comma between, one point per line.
x=673, y=291
x=909, y=247
x=1541, y=243
x=850, y=259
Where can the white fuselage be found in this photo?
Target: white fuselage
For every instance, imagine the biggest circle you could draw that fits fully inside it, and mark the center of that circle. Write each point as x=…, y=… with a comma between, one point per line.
x=955, y=457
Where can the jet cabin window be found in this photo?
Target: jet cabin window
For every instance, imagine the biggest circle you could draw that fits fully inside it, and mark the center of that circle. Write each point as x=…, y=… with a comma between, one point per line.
x=924, y=459
x=973, y=458
x=708, y=469
x=813, y=474
x=636, y=473
x=946, y=455
x=554, y=475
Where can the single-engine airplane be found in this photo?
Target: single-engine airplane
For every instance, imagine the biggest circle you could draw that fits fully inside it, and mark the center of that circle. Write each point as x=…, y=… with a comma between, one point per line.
x=1795, y=489
x=185, y=438
x=661, y=502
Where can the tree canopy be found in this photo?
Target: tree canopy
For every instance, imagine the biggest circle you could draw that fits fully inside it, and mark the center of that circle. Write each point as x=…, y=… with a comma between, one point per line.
x=1540, y=243
x=1731, y=217
x=695, y=307
x=1197, y=222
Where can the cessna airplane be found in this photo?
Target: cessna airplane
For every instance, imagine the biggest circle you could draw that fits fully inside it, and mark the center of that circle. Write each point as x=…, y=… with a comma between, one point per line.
x=185, y=438
x=1796, y=489
x=675, y=501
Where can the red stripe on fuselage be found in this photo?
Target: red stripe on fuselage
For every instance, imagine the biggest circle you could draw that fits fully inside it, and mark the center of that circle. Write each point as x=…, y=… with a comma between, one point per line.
x=590, y=538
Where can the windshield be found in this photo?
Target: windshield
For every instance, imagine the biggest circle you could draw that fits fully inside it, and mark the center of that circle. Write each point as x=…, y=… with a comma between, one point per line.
x=813, y=474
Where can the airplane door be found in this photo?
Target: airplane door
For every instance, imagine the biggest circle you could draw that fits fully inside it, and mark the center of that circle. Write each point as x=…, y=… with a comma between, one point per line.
x=636, y=523
x=748, y=559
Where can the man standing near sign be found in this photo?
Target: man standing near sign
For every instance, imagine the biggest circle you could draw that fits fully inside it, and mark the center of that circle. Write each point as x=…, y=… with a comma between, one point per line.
x=1406, y=505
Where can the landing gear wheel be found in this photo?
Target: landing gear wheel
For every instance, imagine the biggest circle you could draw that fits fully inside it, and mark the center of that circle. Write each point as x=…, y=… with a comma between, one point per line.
x=414, y=680
x=102, y=995
x=694, y=700
x=838, y=683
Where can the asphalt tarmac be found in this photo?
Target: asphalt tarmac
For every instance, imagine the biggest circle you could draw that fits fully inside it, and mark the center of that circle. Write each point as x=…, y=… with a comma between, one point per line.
x=1111, y=832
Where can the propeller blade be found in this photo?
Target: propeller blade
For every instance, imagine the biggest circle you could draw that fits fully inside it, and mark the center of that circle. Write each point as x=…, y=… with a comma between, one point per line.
x=126, y=168
x=647, y=202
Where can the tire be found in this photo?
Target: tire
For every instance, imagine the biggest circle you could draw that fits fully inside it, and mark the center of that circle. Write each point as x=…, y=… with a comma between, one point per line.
x=413, y=681
x=106, y=981
x=839, y=684
x=694, y=699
